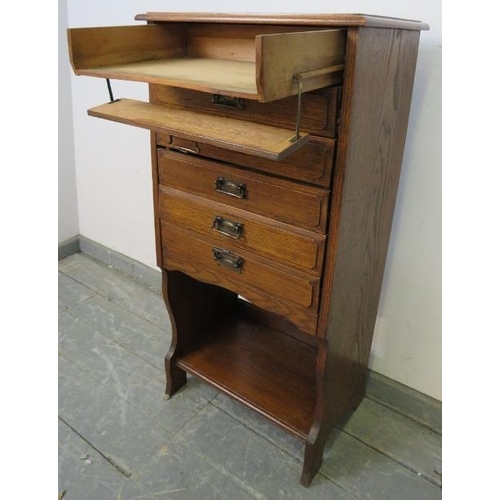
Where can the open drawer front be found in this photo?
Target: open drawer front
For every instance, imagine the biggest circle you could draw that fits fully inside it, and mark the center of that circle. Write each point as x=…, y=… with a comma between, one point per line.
x=250, y=138
x=263, y=63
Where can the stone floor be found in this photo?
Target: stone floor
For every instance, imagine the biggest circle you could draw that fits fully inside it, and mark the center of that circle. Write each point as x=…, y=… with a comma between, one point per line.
x=119, y=439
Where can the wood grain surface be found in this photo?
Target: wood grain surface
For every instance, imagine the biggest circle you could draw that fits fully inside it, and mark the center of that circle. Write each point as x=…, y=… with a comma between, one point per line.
x=236, y=135
x=247, y=360
x=285, y=201
x=318, y=109
x=328, y=20
x=376, y=106
x=281, y=242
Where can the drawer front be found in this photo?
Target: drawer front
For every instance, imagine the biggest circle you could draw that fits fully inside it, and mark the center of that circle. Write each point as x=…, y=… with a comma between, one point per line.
x=225, y=224
x=278, y=289
x=288, y=202
x=311, y=163
x=319, y=110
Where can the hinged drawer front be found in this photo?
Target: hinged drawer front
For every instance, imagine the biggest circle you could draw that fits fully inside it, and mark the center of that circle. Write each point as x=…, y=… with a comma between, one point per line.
x=312, y=163
x=236, y=135
x=225, y=224
x=318, y=111
x=291, y=203
x=258, y=280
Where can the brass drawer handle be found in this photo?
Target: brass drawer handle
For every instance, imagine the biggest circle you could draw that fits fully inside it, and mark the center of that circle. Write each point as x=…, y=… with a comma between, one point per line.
x=228, y=102
x=228, y=227
x=183, y=149
x=230, y=187
x=227, y=259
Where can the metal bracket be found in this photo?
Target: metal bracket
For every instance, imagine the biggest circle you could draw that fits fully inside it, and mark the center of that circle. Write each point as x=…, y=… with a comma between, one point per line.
x=298, y=81
x=110, y=90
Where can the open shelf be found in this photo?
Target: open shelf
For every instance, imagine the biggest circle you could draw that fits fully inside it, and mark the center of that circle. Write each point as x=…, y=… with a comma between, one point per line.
x=252, y=64
x=260, y=366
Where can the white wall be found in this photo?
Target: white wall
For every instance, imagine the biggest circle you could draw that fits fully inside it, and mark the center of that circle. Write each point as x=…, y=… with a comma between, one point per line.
x=114, y=181
x=68, y=207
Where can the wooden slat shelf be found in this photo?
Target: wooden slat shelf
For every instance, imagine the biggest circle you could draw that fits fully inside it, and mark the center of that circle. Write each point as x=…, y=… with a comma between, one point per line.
x=265, y=369
x=234, y=135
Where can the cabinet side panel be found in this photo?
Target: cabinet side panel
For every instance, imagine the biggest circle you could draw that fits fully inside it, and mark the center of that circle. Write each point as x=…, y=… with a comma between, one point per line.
x=155, y=183
x=371, y=144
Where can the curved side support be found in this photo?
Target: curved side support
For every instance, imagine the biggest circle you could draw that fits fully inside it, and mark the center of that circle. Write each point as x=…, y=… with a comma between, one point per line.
x=340, y=384
x=194, y=307
x=315, y=444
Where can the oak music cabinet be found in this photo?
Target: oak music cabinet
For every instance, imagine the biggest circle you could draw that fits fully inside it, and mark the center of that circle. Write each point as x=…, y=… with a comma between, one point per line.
x=277, y=142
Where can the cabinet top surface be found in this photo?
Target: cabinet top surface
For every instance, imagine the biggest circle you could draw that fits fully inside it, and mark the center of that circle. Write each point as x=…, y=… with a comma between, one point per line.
x=340, y=20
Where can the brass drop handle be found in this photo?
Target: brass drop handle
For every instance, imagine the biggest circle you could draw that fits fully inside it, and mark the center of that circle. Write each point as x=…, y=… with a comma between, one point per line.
x=227, y=259
x=230, y=188
x=228, y=227
x=228, y=102
x=183, y=149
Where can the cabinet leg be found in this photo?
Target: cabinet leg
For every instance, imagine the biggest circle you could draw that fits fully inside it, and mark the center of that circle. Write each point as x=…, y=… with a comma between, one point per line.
x=176, y=377
x=313, y=458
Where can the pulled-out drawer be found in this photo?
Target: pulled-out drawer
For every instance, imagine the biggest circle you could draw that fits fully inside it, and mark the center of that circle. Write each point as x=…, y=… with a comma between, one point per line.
x=312, y=163
x=282, y=243
x=275, y=288
x=285, y=201
x=263, y=63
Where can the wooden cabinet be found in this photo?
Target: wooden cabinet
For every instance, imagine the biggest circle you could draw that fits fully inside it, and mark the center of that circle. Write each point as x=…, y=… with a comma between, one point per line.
x=277, y=143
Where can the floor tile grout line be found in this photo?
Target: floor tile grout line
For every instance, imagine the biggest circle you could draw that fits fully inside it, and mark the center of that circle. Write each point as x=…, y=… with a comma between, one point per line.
x=169, y=439
x=277, y=445
x=116, y=466
x=112, y=339
x=151, y=417
x=100, y=294
x=240, y=482
x=122, y=274
x=397, y=410
x=78, y=367
x=418, y=473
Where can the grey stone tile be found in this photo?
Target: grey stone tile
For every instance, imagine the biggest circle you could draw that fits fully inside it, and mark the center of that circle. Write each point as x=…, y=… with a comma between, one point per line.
x=122, y=432
x=83, y=474
x=260, y=425
x=370, y=475
x=70, y=261
x=71, y=292
x=257, y=465
x=414, y=446
x=182, y=476
x=120, y=289
x=129, y=330
x=127, y=376
x=145, y=275
x=405, y=400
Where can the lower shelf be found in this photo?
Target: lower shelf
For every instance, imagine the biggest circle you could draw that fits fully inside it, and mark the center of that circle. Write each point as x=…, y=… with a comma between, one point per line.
x=264, y=368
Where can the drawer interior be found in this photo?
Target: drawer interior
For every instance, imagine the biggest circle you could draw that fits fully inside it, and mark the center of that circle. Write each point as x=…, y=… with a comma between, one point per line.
x=252, y=62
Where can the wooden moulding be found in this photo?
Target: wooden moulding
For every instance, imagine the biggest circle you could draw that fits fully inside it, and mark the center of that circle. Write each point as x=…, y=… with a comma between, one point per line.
x=170, y=55
x=331, y=20
x=235, y=135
